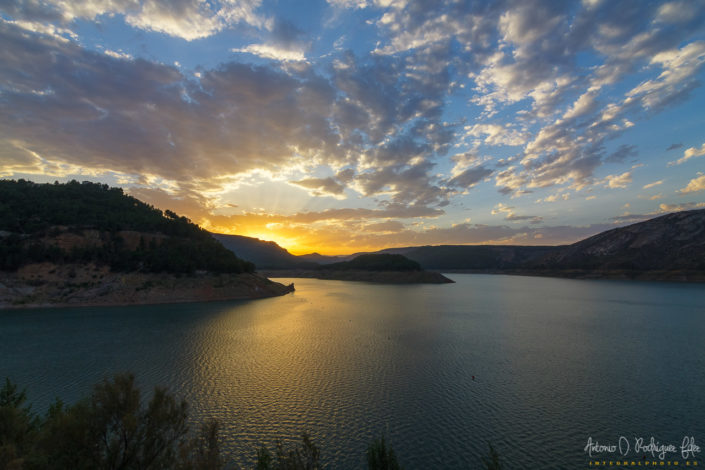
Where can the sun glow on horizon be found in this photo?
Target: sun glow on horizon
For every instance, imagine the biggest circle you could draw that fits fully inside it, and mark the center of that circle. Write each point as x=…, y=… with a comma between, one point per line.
x=276, y=123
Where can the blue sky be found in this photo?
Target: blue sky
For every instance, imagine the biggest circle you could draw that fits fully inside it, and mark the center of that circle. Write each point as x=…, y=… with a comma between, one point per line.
x=352, y=125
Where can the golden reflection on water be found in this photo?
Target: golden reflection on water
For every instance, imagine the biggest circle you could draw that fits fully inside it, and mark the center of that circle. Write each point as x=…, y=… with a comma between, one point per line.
x=265, y=367
x=348, y=361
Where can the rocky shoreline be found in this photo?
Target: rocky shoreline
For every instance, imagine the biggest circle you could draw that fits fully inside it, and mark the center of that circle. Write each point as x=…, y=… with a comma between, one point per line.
x=613, y=274
x=48, y=285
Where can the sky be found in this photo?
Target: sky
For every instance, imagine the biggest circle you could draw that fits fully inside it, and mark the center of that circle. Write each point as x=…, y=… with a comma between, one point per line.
x=342, y=126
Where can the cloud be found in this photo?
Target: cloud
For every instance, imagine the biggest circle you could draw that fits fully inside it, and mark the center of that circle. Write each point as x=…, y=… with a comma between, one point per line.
x=268, y=51
x=676, y=12
x=470, y=177
x=582, y=106
x=674, y=146
x=555, y=197
x=628, y=218
x=681, y=207
x=348, y=3
x=85, y=109
x=406, y=184
x=688, y=154
x=695, y=185
x=651, y=185
x=662, y=209
x=322, y=186
x=427, y=111
x=391, y=211
x=118, y=54
x=571, y=147
x=618, y=181
x=393, y=226
x=496, y=134
x=512, y=217
x=56, y=32
x=622, y=153
x=679, y=67
x=186, y=19
x=286, y=43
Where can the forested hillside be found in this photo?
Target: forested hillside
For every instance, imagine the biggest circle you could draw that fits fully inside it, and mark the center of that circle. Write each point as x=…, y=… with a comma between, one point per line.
x=94, y=223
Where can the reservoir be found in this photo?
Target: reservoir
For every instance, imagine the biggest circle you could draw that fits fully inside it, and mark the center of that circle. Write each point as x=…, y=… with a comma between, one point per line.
x=538, y=367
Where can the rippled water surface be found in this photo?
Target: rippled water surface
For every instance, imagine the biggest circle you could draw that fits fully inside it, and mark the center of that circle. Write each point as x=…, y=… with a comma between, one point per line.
x=554, y=362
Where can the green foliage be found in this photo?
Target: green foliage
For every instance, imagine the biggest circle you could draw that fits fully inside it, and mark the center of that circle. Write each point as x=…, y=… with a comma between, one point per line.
x=18, y=427
x=383, y=262
x=29, y=208
x=112, y=429
x=202, y=452
x=29, y=212
x=304, y=457
x=381, y=457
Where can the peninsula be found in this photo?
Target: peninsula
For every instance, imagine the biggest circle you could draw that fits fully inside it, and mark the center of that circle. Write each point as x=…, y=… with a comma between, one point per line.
x=378, y=268
x=78, y=244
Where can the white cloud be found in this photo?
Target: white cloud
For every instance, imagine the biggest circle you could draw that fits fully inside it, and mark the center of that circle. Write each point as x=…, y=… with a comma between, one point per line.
x=322, y=187
x=61, y=34
x=268, y=51
x=496, y=134
x=583, y=105
x=528, y=23
x=688, y=154
x=186, y=19
x=676, y=12
x=555, y=197
x=681, y=207
x=679, y=69
x=695, y=185
x=120, y=55
x=352, y=4
x=511, y=216
x=618, y=181
x=651, y=185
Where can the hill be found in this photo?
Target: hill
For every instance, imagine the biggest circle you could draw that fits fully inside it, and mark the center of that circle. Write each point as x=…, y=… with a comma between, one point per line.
x=379, y=268
x=490, y=257
x=264, y=254
x=669, y=247
x=86, y=243
x=322, y=259
x=673, y=242
x=379, y=262
x=88, y=222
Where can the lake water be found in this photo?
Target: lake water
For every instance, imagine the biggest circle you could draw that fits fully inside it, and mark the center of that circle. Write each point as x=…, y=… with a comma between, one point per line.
x=554, y=362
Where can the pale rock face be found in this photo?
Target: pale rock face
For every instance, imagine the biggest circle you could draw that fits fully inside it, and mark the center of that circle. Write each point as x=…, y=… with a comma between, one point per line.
x=671, y=242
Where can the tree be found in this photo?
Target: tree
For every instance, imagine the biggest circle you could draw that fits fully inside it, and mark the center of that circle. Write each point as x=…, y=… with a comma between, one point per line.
x=381, y=457
x=304, y=457
x=491, y=462
x=113, y=430
x=18, y=427
x=34, y=214
x=203, y=451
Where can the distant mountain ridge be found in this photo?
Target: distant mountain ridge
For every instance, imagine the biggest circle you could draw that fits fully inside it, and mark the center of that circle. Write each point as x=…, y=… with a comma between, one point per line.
x=670, y=246
x=264, y=254
x=670, y=242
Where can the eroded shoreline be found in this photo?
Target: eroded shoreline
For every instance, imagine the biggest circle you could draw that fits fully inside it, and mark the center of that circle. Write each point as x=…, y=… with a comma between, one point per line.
x=47, y=285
